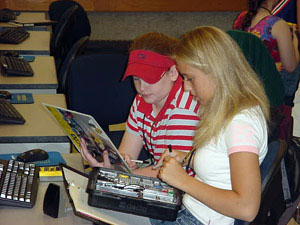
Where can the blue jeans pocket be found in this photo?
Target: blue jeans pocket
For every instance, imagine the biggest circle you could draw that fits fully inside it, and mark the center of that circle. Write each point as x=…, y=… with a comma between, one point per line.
x=184, y=217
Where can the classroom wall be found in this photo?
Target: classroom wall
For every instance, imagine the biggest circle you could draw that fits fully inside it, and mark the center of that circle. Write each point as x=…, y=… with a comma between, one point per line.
x=129, y=25
x=134, y=5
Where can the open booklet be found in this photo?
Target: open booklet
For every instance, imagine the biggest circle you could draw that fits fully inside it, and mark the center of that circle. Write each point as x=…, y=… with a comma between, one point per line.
x=75, y=183
x=78, y=125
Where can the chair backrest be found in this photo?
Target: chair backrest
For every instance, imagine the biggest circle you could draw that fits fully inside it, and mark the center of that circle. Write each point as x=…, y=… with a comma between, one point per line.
x=81, y=24
x=95, y=88
x=262, y=63
x=58, y=46
x=77, y=49
x=270, y=165
x=270, y=173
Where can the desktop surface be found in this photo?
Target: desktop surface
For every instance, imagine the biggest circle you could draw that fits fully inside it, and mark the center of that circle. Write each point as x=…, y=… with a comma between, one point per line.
x=44, y=80
x=31, y=16
x=35, y=215
x=28, y=17
x=39, y=131
x=38, y=43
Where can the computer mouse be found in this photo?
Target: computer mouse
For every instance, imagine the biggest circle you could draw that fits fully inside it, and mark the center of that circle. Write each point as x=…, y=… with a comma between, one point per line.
x=33, y=155
x=5, y=94
x=11, y=53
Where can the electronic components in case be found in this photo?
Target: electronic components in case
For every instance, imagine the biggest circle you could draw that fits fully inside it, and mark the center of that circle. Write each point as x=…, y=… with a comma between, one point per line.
x=131, y=193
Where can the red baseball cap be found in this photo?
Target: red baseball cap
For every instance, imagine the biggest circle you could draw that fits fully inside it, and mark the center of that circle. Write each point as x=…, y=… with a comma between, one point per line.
x=147, y=65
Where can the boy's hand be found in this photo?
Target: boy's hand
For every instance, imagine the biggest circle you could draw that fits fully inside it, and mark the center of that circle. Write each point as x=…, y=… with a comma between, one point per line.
x=127, y=158
x=91, y=160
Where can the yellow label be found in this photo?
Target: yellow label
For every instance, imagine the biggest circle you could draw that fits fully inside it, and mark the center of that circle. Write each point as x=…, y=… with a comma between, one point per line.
x=53, y=171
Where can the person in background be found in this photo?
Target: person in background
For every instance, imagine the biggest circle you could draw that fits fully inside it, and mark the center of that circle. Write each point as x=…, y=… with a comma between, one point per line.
x=232, y=136
x=289, y=10
x=162, y=112
x=276, y=34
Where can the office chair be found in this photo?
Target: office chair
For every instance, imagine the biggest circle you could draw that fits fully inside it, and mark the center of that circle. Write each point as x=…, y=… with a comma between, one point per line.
x=270, y=173
x=77, y=49
x=81, y=24
x=58, y=41
x=262, y=63
x=81, y=27
x=95, y=88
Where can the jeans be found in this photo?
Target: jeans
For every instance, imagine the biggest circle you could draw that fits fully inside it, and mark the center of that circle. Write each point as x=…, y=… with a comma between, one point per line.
x=290, y=81
x=184, y=217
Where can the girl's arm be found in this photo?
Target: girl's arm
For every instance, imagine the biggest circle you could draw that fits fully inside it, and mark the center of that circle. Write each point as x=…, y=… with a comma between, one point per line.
x=242, y=202
x=281, y=31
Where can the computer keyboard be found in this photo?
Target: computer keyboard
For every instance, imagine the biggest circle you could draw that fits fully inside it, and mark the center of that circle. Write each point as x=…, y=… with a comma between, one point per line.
x=7, y=15
x=14, y=35
x=9, y=114
x=14, y=66
x=19, y=183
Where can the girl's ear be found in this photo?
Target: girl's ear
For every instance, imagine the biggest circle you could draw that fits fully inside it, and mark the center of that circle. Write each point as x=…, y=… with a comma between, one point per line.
x=173, y=73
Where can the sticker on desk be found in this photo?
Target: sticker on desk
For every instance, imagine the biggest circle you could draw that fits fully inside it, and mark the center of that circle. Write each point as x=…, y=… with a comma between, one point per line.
x=21, y=98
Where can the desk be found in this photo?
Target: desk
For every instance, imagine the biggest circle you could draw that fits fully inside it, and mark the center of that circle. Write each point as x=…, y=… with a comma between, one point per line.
x=29, y=17
x=38, y=43
x=39, y=131
x=35, y=216
x=44, y=80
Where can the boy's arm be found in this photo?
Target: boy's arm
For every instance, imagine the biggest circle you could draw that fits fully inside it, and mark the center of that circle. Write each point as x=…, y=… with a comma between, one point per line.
x=130, y=148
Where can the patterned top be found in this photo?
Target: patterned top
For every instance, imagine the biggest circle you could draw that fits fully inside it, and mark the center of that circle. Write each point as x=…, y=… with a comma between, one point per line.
x=263, y=30
x=175, y=124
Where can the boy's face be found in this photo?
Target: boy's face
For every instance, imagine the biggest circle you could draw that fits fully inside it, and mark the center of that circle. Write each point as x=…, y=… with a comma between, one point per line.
x=156, y=93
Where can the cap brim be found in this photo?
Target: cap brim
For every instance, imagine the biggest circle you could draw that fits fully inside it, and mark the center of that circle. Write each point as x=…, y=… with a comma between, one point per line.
x=148, y=73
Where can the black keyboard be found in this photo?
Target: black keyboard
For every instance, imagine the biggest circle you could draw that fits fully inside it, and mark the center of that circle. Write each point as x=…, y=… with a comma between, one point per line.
x=9, y=114
x=7, y=15
x=19, y=183
x=14, y=66
x=13, y=35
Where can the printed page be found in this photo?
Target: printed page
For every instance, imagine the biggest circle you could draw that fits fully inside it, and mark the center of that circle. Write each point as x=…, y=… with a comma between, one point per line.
x=78, y=125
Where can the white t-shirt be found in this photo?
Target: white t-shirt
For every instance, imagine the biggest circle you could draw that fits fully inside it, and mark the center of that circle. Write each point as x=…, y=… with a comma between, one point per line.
x=211, y=163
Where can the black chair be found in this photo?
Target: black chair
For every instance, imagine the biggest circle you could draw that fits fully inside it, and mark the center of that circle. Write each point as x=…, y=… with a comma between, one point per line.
x=58, y=42
x=270, y=173
x=77, y=49
x=81, y=25
x=95, y=88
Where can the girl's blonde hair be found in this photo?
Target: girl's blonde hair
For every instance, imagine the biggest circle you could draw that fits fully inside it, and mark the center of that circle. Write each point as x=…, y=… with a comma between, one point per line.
x=214, y=52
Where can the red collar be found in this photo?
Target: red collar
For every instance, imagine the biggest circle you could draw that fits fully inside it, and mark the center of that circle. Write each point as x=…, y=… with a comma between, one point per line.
x=147, y=108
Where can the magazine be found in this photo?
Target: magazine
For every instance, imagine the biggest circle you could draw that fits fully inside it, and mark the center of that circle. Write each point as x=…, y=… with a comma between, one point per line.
x=78, y=125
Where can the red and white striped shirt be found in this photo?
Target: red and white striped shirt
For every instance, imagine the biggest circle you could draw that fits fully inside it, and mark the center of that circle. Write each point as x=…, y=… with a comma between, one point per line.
x=175, y=124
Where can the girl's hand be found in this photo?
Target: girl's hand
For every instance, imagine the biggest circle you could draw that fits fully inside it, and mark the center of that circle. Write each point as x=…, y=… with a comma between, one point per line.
x=178, y=155
x=91, y=160
x=172, y=172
